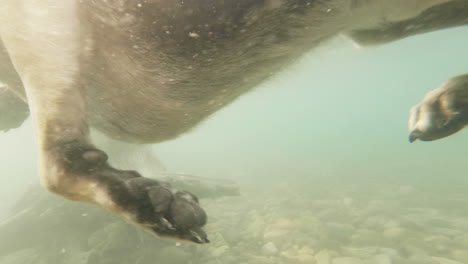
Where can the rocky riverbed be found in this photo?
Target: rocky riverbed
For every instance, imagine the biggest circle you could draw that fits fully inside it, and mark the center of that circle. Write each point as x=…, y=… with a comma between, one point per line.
x=267, y=224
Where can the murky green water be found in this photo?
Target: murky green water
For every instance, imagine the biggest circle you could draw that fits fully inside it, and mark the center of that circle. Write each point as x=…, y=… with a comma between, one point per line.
x=321, y=156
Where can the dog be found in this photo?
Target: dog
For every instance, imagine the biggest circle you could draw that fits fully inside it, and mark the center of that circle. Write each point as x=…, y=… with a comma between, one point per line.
x=147, y=71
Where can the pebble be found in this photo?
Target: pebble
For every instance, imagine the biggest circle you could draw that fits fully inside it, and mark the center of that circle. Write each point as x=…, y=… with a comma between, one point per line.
x=294, y=228
x=421, y=259
x=390, y=252
x=270, y=249
x=174, y=255
x=365, y=237
x=393, y=233
x=303, y=255
x=339, y=230
x=323, y=257
x=445, y=261
x=447, y=232
x=363, y=252
x=232, y=236
x=275, y=233
x=217, y=252
x=460, y=255
x=347, y=260
x=382, y=259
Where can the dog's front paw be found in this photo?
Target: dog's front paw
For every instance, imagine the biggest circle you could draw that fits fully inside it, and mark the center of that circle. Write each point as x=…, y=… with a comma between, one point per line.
x=442, y=112
x=166, y=212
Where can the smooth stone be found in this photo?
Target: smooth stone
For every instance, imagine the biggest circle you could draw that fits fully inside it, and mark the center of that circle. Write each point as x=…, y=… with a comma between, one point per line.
x=323, y=257
x=390, y=252
x=257, y=224
x=447, y=232
x=347, y=260
x=261, y=260
x=174, y=255
x=348, y=201
x=382, y=259
x=284, y=223
x=279, y=229
x=270, y=249
x=307, y=241
x=375, y=222
x=463, y=240
x=303, y=255
x=365, y=237
x=445, y=261
x=219, y=251
x=460, y=255
x=393, y=232
x=363, y=252
x=392, y=224
x=80, y=258
x=421, y=259
x=439, y=244
x=416, y=245
x=415, y=249
x=406, y=189
x=335, y=235
x=232, y=236
x=275, y=233
x=339, y=230
x=28, y=256
x=438, y=222
x=230, y=260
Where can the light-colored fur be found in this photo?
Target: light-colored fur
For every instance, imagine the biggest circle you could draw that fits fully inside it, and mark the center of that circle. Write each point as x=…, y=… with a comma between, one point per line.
x=148, y=71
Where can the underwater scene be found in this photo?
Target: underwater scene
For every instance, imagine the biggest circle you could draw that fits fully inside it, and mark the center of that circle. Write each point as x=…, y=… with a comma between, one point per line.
x=312, y=167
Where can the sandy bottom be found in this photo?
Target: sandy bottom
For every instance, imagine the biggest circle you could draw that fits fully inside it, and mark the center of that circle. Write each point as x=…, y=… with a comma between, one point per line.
x=270, y=223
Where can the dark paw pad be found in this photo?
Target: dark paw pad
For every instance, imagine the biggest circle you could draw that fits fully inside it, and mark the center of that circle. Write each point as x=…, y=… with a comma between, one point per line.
x=165, y=211
x=80, y=157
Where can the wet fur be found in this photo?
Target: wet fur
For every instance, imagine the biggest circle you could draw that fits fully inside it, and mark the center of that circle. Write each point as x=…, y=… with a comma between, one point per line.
x=146, y=80
x=147, y=71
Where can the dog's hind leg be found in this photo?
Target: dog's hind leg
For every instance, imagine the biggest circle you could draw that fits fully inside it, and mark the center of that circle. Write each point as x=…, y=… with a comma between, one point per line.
x=442, y=16
x=13, y=110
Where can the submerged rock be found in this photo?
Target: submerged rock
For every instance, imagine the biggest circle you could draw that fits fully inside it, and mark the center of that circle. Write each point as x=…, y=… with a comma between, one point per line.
x=260, y=227
x=347, y=260
x=366, y=237
x=390, y=252
x=219, y=251
x=460, y=255
x=363, y=252
x=421, y=259
x=303, y=255
x=445, y=261
x=393, y=233
x=381, y=259
x=270, y=249
x=25, y=256
x=173, y=255
x=323, y=257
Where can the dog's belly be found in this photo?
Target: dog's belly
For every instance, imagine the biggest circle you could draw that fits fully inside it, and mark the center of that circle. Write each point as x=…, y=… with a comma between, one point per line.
x=150, y=87
x=154, y=71
x=141, y=107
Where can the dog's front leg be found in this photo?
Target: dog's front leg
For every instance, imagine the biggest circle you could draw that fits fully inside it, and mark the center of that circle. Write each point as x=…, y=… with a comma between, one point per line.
x=43, y=40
